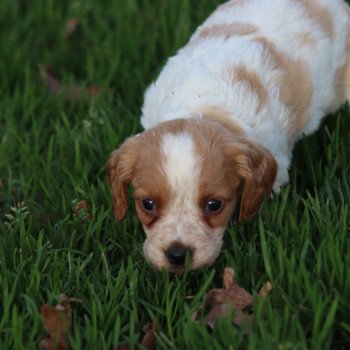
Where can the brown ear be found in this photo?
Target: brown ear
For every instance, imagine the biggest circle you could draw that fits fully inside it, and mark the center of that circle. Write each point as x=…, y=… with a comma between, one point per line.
x=119, y=171
x=257, y=168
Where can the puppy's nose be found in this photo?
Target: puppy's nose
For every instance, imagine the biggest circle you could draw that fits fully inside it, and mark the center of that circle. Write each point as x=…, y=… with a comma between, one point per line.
x=176, y=254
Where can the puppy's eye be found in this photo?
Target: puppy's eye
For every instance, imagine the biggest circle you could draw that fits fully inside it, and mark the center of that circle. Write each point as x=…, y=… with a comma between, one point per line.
x=148, y=205
x=214, y=206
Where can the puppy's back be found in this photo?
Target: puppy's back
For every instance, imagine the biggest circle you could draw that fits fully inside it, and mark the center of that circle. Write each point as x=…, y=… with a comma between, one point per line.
x=277, y=67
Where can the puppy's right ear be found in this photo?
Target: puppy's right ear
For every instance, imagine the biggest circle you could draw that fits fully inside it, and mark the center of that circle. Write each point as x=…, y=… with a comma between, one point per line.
x=120, y=169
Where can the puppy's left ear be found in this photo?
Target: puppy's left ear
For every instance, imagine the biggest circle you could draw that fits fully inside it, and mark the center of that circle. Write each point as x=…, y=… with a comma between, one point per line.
x=120, y=168
x=257, y=169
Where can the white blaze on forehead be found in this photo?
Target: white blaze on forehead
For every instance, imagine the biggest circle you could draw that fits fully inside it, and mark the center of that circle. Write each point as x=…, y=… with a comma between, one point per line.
x=180, y=163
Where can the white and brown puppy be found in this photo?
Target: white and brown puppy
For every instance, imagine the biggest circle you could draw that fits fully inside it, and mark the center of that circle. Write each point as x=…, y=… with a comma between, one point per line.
x=222, y=118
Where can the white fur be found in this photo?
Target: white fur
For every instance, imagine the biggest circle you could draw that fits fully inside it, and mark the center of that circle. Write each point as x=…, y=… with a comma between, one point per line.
x=195, y=75
x=181, y=168
x=180, y=164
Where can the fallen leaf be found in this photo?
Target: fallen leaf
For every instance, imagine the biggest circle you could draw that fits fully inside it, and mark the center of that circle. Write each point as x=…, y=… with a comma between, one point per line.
x=75, y=93
x=235, y=295
x=229, y=278
x=149, y=338
x=52, y=84
x=71, y=27
x=265, y=289
x=70, y=92
x=82, y=210
x=220, y=310
x=57, y=323
x=231, y=298
x=49, y=344
x=242, y=320
x=94, y=90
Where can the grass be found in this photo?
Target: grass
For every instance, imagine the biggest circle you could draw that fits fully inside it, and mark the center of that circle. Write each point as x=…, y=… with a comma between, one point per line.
x=53, y=154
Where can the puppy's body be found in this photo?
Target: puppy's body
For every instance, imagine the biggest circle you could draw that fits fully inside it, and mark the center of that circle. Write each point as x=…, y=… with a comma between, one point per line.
x=278, y=67
x=222, y=118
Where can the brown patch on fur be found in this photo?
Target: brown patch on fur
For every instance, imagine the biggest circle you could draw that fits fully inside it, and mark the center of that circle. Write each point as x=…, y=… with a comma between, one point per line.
x=222, y=117
x=137, y=156
x=342, y=81
x=306, y=39
x=231, y=165
x=216, y=180
x=319, y=14
x=295, y=86
x=258, y=170
x=250, y=77
x=119, y=172
x=149, y=182
x=228, y=30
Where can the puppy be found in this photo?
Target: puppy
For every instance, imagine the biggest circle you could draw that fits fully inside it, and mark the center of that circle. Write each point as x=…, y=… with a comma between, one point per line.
x=222, y=118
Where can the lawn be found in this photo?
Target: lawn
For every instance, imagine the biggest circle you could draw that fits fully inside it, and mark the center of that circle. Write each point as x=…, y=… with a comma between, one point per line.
x=53, y=154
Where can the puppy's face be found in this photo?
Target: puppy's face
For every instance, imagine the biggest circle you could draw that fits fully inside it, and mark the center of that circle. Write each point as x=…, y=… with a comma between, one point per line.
x=188, y=176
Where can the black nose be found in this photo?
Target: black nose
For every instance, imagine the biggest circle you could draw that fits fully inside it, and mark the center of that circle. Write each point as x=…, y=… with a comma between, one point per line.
x=176, y=254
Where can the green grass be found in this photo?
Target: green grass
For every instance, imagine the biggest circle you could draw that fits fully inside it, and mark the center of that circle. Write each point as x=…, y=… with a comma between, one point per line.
x=53, y=153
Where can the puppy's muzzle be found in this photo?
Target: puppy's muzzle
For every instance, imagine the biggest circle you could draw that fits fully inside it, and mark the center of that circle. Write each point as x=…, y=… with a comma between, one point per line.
x=176, y=254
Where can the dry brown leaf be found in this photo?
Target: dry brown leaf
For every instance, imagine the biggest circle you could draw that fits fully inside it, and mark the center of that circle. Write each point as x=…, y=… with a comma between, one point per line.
x=232, y=293
x=149, y=338
x=231, y=297
x=82, y=210
x=70, y=92
x=57, y=323
x=52, y=84
x=94, y=90
x=237, y=296
x=50, y=344
x=217, y=311
x=229, y=278
x=71, y=27
x=265, y=289
x=75, y=93
x=240, y=318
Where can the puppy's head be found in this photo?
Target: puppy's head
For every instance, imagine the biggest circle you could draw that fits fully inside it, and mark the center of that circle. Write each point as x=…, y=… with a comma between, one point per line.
x=188, y=177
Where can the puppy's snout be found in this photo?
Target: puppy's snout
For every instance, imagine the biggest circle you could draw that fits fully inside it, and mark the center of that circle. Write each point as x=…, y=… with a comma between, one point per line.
x=176, y=254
